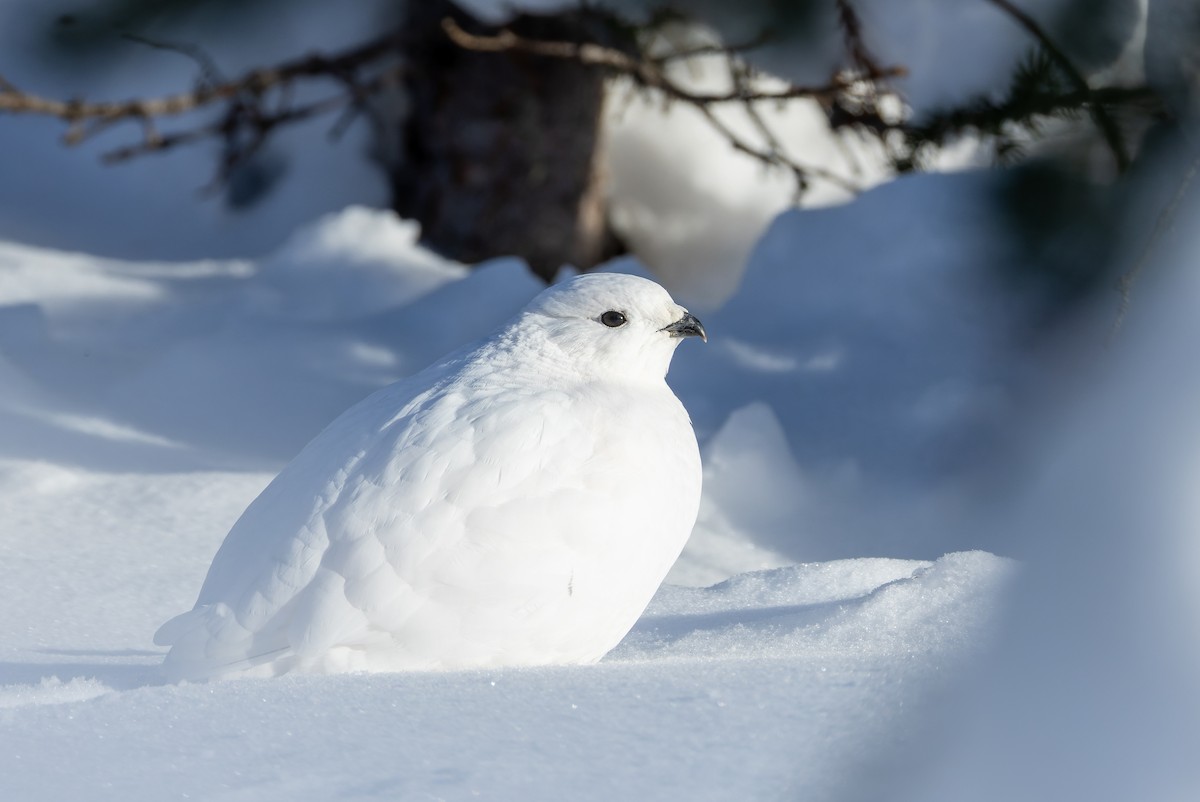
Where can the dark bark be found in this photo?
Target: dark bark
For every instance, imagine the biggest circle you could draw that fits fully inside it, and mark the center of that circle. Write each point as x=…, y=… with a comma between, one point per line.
x=500, y=151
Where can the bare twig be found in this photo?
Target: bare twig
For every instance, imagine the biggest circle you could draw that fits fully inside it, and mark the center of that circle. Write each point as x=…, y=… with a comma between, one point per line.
x=258, y=102
x=852, y=30
x=255, y=82
x=209, y=72
x=774, y=152
x=802, y=172
x=227, y=123
x=255, y=104
x=714, y=49
x=1166, y=218
x=650, y=73
x=645, y=72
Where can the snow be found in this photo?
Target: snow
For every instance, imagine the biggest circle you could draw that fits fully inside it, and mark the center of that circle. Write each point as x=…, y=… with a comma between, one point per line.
x=1094, y=692
x=784, y=680
x=146, y=403
x=379, y=266
x=754, y=494
x=875, y=427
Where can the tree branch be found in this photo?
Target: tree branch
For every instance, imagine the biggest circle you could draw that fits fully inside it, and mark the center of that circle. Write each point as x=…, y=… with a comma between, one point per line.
x=852, y=31
x=253, y=84
x=258, y=102
x=247, y=119
x=649, y=72
x=646, y=71
x=209, y=72
x=1100, y=116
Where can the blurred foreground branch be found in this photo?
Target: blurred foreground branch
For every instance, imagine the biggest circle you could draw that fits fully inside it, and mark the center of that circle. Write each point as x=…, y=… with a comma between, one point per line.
x=255, y=104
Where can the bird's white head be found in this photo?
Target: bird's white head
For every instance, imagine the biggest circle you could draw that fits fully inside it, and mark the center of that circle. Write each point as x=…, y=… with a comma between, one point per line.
x=611, y=324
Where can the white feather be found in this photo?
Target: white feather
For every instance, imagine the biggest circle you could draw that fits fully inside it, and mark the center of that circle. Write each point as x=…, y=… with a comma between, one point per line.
x=517, y=503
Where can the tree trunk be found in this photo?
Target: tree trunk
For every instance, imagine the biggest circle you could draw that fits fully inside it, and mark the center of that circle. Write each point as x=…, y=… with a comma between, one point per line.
x=500, y=151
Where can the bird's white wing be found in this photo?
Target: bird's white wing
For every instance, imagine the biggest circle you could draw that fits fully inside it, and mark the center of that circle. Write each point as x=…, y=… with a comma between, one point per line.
x=516, y=504
x=414, y=529
x=276, y=547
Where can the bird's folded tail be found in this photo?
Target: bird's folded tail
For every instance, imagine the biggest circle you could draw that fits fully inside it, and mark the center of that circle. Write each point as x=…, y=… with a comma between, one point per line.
x=208, y=642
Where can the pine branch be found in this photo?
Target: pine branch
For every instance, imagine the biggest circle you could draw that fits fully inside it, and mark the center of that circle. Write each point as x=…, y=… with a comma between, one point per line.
x=1027, y=103
x=1100, y=116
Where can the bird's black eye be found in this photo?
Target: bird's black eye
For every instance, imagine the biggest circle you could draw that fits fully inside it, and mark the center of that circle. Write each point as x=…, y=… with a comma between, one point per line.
x=612, y=319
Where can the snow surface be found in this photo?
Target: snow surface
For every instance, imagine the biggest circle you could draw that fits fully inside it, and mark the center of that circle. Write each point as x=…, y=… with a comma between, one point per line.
x=868, y=400
x=779, y=683
x=144, y=404
x=1094, y=690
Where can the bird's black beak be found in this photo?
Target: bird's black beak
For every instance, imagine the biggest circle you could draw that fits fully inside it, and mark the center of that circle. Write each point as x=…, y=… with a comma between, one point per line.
x=687, y=326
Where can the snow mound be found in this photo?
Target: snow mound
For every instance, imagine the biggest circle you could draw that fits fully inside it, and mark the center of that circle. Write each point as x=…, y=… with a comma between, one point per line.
x=843, y=608
x=753, y=501
x=891, y=356
x=358, y=261
x=124, y=364
x=791, y=683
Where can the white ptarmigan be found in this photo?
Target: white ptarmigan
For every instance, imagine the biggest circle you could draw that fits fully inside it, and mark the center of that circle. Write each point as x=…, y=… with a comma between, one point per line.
x=517, y=503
